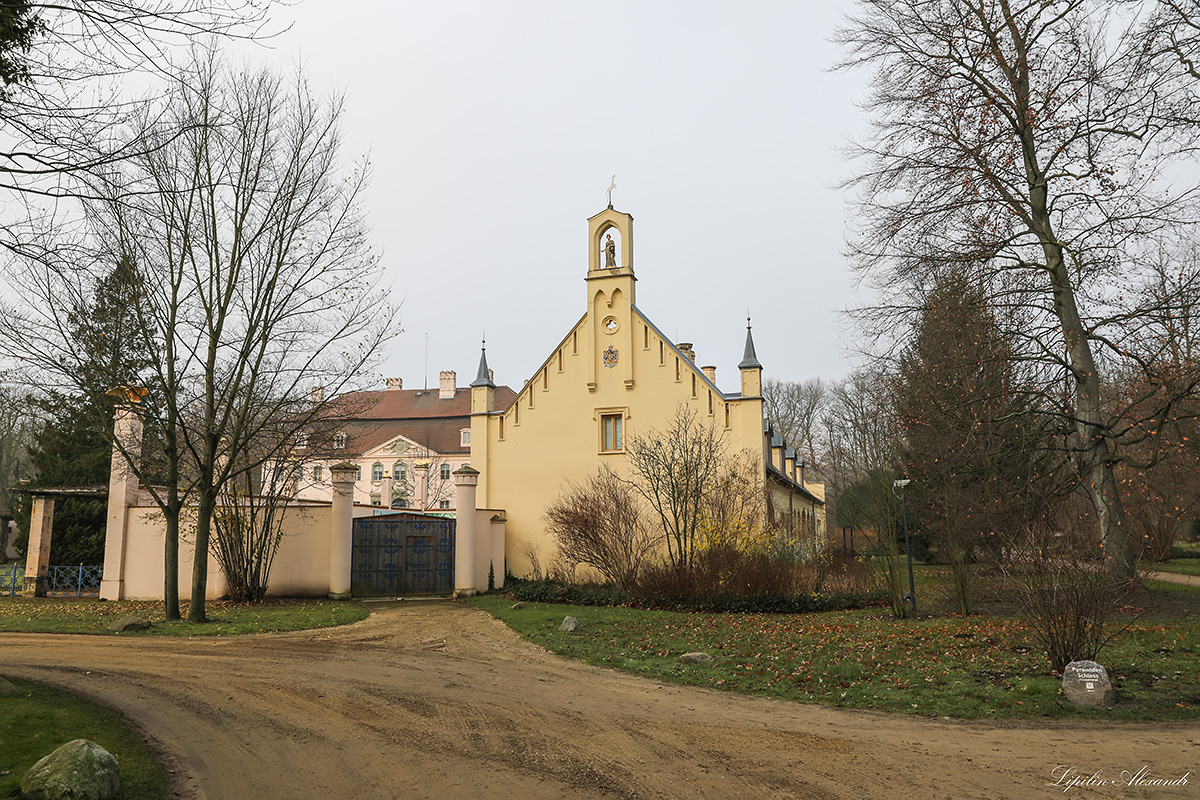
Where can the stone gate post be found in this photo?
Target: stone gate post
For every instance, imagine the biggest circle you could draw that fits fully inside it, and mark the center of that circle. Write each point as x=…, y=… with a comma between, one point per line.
x=466, y=481
x=341, y=534
x=37, y=557
x=122, y=491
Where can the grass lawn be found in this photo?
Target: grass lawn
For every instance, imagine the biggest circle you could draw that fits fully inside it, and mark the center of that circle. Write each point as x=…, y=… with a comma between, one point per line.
x=39, y=719
x=53, y=615
x=1184, y=566
x=942, y=665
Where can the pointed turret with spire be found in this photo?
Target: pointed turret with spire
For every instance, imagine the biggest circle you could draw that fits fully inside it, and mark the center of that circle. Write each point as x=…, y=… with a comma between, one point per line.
x=750, y=367
x=483, y=389
x=483, y=377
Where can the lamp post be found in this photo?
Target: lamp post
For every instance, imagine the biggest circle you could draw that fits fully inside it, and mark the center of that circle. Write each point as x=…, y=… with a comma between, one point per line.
x=912, y=587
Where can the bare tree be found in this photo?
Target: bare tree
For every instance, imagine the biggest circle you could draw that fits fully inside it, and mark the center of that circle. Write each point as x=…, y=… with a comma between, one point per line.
x=600, y=523
x=256, y=282
x=16, y=435
x=672, y=469
x=1028, y=138
x=66, y=69
x=794, y=409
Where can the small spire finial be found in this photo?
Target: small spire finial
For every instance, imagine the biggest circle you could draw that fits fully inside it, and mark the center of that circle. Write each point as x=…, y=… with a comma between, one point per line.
x=483, y=375
x=749, y=358
x=611, y=185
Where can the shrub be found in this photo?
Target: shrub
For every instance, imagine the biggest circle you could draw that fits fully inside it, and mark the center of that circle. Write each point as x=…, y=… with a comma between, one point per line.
x=601, y=523
x=728, y=579
x=586, y=594
x=1067, y=595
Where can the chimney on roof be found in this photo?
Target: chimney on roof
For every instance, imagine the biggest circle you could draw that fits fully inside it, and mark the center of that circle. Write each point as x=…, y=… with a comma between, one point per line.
x=318, y=394
x=711, y=374
x=686, y=349
x=395, y=383
x=446, y=385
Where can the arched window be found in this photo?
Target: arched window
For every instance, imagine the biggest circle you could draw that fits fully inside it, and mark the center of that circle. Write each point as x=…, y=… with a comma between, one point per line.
x=400, y=471
x=445, y=472
x=377, y=471
x=464, y=437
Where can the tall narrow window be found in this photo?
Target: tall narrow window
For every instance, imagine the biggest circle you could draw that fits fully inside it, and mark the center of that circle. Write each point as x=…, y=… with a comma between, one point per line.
x=501, y=436
x=400, y=471
x=377, y=471
x=693, y=384
x=710, y=403
x=445, y=472
x=545, y=379
x=662, y=353
x=464, y=437
x=318, y=473
x=560, y=359
x=727, y=415
x=645, y=337
x=612, y=440
x=676, y=369
x=574, y=342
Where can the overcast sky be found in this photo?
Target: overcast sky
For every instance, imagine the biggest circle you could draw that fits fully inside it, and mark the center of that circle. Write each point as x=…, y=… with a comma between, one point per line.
x=494, y=128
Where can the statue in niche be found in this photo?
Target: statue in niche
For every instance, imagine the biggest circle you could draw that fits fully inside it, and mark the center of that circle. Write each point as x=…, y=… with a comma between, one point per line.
x=610, y=253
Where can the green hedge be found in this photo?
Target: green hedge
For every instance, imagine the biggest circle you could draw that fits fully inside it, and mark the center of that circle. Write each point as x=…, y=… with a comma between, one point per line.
x=593, y=594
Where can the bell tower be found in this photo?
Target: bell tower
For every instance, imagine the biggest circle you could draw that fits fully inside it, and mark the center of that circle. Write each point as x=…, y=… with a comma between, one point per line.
x=609, y=257
x=610, y=286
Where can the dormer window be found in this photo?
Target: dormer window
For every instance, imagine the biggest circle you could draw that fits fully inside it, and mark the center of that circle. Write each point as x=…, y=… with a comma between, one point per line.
x=464, y=437
x=339, y=441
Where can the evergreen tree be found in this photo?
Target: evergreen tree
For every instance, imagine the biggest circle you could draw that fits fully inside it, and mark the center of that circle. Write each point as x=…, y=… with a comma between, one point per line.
x=73, y=448
x=18, y=26
x=969, y=432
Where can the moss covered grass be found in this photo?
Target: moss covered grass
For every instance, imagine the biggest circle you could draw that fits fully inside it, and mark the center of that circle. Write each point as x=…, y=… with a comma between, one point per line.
x=968, y=667
x=38, y=719
x=53, y=615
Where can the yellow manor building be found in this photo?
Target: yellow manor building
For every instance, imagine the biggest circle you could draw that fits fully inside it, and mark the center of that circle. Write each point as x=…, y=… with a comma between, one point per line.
x=614, y=375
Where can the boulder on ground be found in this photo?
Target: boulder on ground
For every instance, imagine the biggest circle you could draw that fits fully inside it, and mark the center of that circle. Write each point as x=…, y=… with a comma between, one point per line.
x=129, y=624
x=695, y=658
x=7, y=689
x=569, y=625
x=79, y=770
x=1086, y=683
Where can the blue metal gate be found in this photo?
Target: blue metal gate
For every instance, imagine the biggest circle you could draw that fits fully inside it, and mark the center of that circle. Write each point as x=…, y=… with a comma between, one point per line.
x=401, y=555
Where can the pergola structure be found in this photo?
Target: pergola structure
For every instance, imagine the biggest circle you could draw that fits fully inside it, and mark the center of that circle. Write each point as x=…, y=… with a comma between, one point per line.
x=41, y=526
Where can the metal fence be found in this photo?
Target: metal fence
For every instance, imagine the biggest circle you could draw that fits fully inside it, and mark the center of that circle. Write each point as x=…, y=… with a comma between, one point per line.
x=77, y=581
x=12, y=578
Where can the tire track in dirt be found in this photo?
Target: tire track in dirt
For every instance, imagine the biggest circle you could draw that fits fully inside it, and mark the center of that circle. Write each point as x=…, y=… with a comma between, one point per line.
x=435, y=700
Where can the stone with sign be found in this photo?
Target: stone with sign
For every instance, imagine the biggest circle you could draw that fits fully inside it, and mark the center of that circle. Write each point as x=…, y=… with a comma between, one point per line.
x=1086, y=683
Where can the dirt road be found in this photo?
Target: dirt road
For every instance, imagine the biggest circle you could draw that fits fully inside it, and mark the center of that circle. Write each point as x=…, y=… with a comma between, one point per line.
x=440, y=701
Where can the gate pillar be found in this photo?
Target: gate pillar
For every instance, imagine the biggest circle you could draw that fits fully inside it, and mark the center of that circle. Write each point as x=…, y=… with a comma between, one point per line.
x=37, y=558
x=122, y=491
x=466, y=481
x=341, y=532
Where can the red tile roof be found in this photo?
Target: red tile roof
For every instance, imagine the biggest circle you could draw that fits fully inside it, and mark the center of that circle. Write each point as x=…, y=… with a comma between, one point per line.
x=398, y=404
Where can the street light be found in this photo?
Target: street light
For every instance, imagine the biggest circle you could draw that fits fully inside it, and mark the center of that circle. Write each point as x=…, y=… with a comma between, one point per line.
x=912, y=587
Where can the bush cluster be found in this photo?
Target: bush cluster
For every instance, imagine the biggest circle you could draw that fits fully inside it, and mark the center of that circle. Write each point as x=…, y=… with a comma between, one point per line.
x=722, y=579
